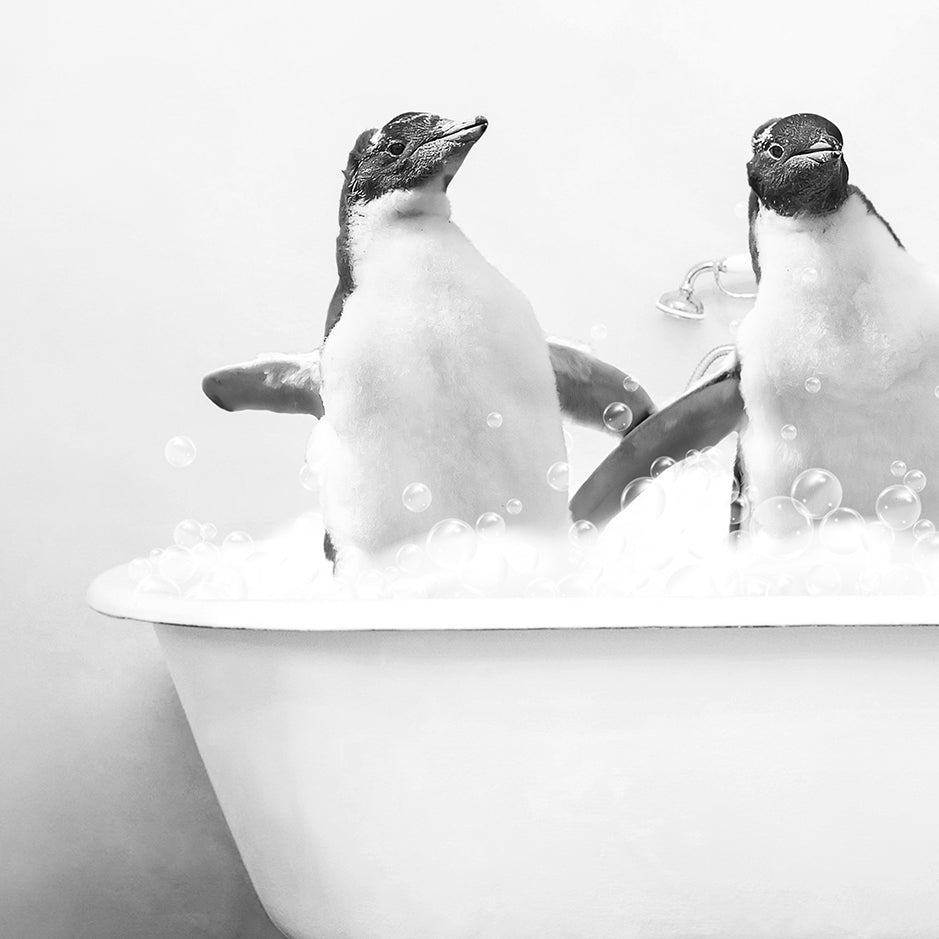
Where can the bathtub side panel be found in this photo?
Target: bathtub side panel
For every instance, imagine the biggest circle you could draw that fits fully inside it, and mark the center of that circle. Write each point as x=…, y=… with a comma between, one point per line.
x=576, y=783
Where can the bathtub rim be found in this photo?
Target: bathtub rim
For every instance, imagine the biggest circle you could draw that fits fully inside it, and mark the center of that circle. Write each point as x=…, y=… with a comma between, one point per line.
x=113, y=594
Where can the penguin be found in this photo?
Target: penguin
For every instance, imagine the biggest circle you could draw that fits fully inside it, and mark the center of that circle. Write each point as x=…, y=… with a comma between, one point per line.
x=433, y=368
x=837, y=364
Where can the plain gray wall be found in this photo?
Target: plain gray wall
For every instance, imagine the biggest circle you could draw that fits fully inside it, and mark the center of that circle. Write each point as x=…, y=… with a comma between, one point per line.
x=170, y=173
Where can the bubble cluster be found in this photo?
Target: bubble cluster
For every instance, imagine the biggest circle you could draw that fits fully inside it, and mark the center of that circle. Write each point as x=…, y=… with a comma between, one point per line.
x=584, y=535
x=451, y=543
x=617, y=416
x=490, y=525
x=898, y=507
x=817, y=491
x=842, y=531
x=179, y=451
x=558, y=476
x=416, y=497
x=187, y=533
x=781, y=528
x=660, y=465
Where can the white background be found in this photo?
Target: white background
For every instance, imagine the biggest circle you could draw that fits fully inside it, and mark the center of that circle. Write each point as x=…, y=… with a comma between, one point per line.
x=168, y=186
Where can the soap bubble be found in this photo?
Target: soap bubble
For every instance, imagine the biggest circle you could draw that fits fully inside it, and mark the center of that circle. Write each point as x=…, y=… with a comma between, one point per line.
x=416, y=497
x=923, y=528
x=206, y=554
x=490, y=525
x=660, y=465
x=780, y=527
x=523, y=557
x=740, y=510
x=309, y=477
x=575, y=585
x=177, y=564
x=451, y=543
x=916, y=480
x=598, y=332
x=878, y=538
x=898, y=469
x=513, y=506
x=187, y=533
x=154, y=583
x=842, y=531
x=225, y=583
x=559, y=475
x=898, y=507
x=630, y=383
x=653, y=501
x=542, y=587
x=410, y=558
x=926, y=557
x=822, y=580
x=583, y=534
x=788, y=432
x=486, y=573
x=179, y=451
x=618, y=416
x=902, y=580
x=138, y=569
x=813, y=385
x=809, y=275
x=237, y=542
x=817, y=491
x=494, y=419
x=208, y=531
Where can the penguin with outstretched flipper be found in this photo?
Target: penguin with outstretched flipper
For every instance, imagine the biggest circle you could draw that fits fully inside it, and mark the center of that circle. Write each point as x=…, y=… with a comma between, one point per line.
x=424, y=339
x=839, y=357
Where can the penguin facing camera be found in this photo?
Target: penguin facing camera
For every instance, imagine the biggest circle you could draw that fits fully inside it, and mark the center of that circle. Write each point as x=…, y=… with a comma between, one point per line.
x=837, y=363
x=425, y=343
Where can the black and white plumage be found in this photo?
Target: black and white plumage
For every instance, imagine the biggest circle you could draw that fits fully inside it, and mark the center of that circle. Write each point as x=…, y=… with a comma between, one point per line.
x=424, y=339
x=840, y=302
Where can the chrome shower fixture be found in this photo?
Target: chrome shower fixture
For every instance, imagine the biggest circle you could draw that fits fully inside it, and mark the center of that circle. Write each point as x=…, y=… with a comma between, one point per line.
x=683, y=304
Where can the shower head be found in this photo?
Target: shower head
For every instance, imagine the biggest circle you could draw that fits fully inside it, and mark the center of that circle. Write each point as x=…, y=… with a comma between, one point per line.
x=681, y=303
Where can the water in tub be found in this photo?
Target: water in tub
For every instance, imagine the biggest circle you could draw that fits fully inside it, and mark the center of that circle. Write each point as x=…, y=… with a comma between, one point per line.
x=672, y=538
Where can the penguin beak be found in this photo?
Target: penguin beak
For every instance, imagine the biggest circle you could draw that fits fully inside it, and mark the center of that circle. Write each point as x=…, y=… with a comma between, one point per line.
x=462, y=131
x=824, y=149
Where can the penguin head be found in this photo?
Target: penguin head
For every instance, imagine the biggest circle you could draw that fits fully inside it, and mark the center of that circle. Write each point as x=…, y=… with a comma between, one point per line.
x=797, y=167
x=411, y=151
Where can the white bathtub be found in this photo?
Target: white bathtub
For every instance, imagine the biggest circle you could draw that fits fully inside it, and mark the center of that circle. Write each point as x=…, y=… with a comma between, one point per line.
x=569, y=769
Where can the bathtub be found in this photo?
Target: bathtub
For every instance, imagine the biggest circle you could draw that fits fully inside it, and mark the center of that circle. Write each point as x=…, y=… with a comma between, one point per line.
x=569, y=769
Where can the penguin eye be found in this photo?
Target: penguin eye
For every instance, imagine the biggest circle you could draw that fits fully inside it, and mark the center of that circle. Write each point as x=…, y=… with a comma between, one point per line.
x=775, y=151
x=395, y=147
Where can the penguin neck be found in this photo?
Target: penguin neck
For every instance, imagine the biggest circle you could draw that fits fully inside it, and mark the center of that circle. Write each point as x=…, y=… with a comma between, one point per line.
x=834, y=248
x=366, y=223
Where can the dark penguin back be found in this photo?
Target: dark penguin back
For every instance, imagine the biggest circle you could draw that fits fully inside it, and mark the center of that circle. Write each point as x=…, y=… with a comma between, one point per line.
x=344, y=269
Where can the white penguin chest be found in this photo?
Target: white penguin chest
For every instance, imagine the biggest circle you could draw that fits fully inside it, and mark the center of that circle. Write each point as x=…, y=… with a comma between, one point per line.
x=432, y=341
x=841, y=309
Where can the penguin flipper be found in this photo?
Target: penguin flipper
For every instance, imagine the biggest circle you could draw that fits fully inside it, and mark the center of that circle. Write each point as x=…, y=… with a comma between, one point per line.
x=586, y=385
x=699, y=418
x=286, y=384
